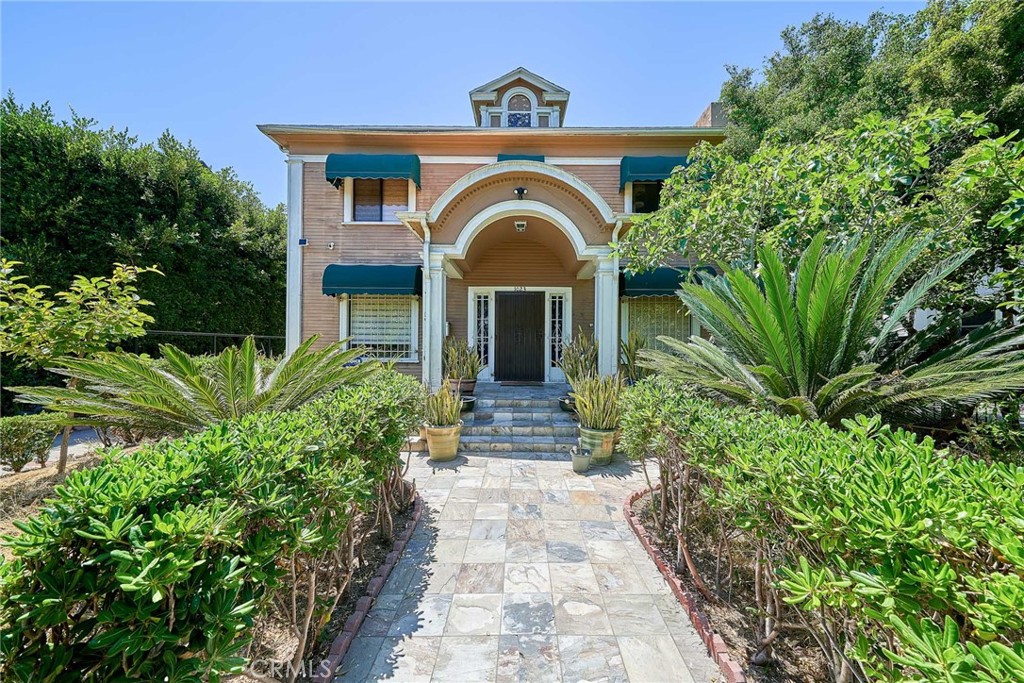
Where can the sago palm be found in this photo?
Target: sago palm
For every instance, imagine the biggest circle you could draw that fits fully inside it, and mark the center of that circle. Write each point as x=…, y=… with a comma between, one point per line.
x=828, y=340
x=128, y=391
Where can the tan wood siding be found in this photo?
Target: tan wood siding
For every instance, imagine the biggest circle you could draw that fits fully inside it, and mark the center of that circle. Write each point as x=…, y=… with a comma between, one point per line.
x=604, y=180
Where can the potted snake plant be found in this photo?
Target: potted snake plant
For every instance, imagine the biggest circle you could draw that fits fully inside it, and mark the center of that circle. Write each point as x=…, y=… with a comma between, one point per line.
x=579, y=362
x=597, y=406
x=460, y=365
x=442, y=423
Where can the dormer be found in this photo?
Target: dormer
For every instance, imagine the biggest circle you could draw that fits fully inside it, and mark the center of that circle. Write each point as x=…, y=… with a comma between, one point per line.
x=519, y=99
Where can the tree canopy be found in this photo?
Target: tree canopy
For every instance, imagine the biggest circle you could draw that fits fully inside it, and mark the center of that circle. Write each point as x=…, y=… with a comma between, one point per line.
x=965, y=55
x=77, y=199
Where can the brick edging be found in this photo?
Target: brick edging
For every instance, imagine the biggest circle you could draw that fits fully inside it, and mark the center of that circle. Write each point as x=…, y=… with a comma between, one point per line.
x=713, y=641
x=348, y=632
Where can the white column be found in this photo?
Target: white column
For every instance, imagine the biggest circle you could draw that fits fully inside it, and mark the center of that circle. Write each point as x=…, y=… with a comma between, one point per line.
x=433, y=335
x=606, y=318
x=293, y=268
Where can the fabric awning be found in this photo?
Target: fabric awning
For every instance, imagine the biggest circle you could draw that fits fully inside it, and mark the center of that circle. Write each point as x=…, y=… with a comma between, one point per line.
x=657, y=282
x=521, y=157
x=632, y=169
x=340, y=166
x=364, y=279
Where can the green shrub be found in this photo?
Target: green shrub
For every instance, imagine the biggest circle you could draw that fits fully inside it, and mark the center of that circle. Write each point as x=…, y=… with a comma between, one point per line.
x=459, y=359
x=24, y=438
x=154, y=565
x=903, y=562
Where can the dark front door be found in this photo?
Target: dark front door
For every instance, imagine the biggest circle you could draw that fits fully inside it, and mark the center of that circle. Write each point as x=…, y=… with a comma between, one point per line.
x=519, y=336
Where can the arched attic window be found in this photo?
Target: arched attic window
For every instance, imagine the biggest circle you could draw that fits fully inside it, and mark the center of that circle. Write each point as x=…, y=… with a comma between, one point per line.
x=520, y=112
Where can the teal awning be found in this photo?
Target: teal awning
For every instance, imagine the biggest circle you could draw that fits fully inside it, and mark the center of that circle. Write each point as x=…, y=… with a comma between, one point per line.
x=521, y=157
x=657, y=282
x=632, y=169
x=359, y=279
x=340, y=166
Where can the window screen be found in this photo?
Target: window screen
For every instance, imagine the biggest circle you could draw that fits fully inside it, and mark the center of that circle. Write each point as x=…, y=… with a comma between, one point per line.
x=383, y=325
x=377, y=200
x=652, y=316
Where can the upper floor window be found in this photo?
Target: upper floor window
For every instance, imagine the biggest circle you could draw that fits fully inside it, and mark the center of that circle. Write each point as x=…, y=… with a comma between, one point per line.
x=647, y=196
x=520, y=112
x=377, y=200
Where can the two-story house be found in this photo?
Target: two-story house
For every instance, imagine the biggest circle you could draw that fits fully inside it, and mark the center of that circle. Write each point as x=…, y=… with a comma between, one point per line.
x=497, y=233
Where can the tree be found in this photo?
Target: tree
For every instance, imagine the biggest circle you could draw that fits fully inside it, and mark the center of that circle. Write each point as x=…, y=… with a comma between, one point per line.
x=75, y=199
x=948, y=178
x=82, y=321
x=829, y=341
x=127, y=391
x=966, y=55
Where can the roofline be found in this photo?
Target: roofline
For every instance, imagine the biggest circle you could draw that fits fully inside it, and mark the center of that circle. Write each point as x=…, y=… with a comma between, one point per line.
x=271, y=129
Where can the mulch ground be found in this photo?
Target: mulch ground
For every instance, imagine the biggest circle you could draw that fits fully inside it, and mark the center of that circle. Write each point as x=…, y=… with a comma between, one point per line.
x=797, y=658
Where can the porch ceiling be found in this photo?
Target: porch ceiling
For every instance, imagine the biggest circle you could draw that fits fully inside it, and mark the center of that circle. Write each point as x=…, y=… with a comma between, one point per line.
x=538, y=231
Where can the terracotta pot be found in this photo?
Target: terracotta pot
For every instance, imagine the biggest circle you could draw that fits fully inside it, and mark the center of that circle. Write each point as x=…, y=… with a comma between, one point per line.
x=443, y=442
x=600, y=442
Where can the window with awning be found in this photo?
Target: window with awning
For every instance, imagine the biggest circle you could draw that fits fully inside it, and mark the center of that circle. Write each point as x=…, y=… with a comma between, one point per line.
x=656, y=282
x=640, y=169
x=340, y=278
x=521, y=157
x=372, y=167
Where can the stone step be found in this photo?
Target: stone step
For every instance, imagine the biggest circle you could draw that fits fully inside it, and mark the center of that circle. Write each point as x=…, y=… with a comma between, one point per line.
x=474, y=429
x=489, y=444
x=521, y=455
x=517, y=418
x=533, y=404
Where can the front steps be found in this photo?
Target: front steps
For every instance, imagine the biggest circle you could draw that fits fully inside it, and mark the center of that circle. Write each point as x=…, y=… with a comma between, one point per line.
x=519, y=423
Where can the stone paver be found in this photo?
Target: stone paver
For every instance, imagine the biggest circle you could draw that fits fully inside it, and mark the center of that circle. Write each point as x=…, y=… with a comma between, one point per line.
x=522, y=571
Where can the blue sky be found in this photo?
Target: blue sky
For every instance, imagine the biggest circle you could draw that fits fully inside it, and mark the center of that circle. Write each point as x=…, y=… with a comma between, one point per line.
x=211, y=72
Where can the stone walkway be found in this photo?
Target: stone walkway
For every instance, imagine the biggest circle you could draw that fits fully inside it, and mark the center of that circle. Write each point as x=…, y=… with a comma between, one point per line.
x=521, y=570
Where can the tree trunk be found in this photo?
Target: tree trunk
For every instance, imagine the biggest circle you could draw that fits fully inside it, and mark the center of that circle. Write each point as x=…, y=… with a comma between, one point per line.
x=62, y=463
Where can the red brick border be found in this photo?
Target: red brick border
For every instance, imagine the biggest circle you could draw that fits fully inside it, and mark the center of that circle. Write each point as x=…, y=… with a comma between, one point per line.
x=348, y=632
x=732, y=671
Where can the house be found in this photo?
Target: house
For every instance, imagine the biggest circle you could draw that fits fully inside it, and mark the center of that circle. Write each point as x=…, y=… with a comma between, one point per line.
x=498, y=233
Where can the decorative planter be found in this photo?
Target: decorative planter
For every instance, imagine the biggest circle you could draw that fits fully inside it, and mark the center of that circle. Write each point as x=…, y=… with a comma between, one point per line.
x=443, y=442
x=468, y=403
x=581, y=459
x=567, y=404
x=466, y=387
x=600, y=442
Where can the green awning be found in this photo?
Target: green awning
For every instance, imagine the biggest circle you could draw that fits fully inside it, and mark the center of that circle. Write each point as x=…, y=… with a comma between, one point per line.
x=657, y=282
x=340, y=166
x=360, y=279
x=521, y=157
x=632, y=169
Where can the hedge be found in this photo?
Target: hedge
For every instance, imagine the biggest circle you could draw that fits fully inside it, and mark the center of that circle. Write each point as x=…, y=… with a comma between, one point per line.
x=903, y=562
x=24, y=438
x=155, y=564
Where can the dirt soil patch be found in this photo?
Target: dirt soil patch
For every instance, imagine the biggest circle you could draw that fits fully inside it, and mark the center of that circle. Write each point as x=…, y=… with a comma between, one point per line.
x=797, y=658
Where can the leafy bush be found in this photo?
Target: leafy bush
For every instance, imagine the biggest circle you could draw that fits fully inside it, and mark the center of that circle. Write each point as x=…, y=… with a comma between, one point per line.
x=24, y=438
x=902, y=562
x=828, y=341
x=154, y=565
x=443, y=407
x=131, y=392
x=597, y=401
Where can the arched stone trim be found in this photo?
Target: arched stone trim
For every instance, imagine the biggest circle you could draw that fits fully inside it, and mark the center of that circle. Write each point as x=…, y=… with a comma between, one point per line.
x=517, y=207
x=451, y=196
